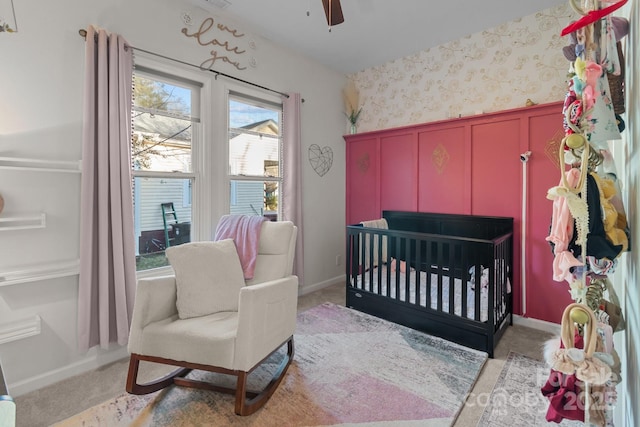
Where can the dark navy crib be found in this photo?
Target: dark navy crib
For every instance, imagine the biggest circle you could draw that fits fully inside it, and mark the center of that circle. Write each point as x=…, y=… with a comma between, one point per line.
x=447, y=275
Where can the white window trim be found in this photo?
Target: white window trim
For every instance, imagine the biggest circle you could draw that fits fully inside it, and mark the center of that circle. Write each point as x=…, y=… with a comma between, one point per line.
x=201, y=169
x=269, y=101
x=210, y=191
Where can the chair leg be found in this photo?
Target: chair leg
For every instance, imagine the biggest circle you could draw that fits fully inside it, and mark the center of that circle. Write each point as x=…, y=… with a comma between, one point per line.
x=132, y=378
x=247, y=402
x=246, y=406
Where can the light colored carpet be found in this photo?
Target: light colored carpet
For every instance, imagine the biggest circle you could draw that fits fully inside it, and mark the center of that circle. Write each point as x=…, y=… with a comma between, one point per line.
x=349, y=368
x=516, y=399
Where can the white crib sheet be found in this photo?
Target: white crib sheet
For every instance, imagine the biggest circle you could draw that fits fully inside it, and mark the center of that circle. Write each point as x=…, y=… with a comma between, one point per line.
x=457, y=299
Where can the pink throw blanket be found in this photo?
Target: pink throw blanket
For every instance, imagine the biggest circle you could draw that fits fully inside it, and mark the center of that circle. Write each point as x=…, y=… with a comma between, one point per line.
x=245, y=232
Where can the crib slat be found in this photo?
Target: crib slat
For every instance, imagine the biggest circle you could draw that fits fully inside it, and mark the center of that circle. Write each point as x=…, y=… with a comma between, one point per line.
x=491, y=299
x=427, y=288
x=418, y=272
x=396, y=271
x=477, y=294
x=440, y=263
x=388, y=242
x=407, y=275
x=464, y=262
x=452, y=278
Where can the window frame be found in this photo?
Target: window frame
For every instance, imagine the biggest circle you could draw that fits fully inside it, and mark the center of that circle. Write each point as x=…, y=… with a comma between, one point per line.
x=267, y=101
x=160, y=70
x=210, y=145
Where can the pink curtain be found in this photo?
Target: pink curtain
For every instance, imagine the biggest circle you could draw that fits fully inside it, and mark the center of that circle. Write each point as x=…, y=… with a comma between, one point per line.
x=292, y=170
x=107, y=253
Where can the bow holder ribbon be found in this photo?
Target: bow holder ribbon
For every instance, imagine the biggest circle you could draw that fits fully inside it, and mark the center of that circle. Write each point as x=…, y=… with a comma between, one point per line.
x=590, y=17
x=581, y=362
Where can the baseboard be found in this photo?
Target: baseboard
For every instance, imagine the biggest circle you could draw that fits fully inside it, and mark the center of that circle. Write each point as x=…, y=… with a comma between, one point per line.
x=542, y=325
x=321, y=285
x=85, y=365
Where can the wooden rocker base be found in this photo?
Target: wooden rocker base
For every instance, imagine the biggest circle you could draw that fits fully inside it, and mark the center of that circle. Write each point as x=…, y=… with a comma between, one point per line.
x=247, y=402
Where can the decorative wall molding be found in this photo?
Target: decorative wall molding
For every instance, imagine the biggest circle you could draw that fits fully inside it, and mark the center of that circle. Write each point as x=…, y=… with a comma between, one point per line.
x=19, y=329
x=440, y=158
x=39, y=272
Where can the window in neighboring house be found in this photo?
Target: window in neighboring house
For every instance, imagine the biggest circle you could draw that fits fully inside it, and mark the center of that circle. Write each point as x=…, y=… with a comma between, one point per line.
x=186, y=193
x=255, y=149
x=165, y=120
x=233, y=200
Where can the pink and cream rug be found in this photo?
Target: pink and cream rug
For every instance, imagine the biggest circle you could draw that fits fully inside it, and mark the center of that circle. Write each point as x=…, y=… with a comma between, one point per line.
x=349, y=368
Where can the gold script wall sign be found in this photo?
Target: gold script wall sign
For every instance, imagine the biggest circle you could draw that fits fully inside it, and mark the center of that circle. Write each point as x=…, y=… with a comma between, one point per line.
x=204, y=37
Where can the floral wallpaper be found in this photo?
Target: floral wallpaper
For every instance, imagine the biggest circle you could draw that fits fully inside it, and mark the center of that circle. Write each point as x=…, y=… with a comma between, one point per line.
x=496, y=69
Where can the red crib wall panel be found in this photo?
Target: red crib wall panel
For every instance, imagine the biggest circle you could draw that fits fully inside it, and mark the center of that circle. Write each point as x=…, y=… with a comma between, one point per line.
x=441, y=179
x=470, y=165
x=398, y=172
x=546, y=299
x=362, y=181
x=496, y=180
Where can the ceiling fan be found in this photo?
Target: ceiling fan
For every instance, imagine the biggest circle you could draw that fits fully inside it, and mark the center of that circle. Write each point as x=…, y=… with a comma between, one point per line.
x=333, y=11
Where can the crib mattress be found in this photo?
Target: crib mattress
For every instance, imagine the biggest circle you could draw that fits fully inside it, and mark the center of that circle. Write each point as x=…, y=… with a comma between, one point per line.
x=375, y=287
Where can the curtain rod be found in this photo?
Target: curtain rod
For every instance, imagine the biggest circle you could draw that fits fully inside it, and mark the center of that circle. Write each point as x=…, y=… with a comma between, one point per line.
x=83, y=34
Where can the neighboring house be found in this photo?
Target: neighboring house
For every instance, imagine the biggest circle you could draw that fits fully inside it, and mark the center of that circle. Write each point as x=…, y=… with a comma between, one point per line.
x=164, y=144
x=252, y=152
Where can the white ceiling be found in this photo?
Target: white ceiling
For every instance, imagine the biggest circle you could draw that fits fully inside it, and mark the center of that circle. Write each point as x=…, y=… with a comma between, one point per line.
x=374, y=31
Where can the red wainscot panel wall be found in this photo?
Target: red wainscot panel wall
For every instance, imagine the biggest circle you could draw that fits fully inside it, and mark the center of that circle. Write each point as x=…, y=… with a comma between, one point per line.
x=471, y=165
x=398, y=172
x=362, y=185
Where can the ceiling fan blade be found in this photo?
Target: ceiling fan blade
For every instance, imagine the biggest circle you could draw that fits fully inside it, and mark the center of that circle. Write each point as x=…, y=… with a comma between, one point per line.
x=333, y=11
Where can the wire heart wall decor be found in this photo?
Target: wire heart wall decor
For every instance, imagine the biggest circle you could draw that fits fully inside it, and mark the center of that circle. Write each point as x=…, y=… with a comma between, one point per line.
x=320, y=158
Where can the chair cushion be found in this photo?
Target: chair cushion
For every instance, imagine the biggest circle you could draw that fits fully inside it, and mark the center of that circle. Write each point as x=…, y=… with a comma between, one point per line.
x=275, y=237
x=275, y=254
x=208, y=277
x=209, y=340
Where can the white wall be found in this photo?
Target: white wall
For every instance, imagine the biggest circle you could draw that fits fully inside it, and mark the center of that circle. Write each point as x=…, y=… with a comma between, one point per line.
x=41, y=86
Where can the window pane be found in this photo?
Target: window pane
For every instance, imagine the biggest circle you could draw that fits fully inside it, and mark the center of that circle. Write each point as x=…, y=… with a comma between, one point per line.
x=254, y=198
x=243, y=114
x=162, y=218
x=254, y=139
x=162, y=126
x=164, y=98
x=253, y=155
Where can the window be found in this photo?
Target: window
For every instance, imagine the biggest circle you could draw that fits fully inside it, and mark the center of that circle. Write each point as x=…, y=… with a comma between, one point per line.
x=201, y=148
x=165, y=124
x=255, y=147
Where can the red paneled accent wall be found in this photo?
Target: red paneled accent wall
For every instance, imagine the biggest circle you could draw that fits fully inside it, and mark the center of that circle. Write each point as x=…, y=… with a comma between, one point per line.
x=472, y=166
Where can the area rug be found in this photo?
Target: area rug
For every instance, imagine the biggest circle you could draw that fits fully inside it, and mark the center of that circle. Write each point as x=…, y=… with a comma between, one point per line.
x=516, y=399
x=349, y=368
